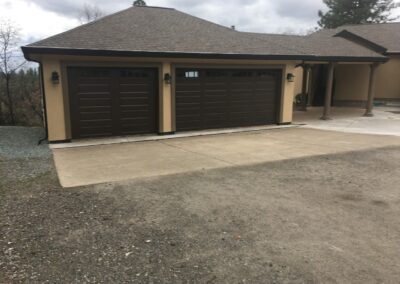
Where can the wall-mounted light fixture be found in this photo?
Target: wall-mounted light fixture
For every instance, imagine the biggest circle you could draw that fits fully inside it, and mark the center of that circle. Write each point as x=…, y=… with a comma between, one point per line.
x=167, y=78
x=55, y=78
x=290, y=77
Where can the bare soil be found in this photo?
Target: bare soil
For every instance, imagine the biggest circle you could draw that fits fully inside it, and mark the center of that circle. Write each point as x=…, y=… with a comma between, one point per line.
x=325, y=219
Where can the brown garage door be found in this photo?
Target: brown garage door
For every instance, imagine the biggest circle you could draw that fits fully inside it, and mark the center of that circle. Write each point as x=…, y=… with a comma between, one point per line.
x=217, y=98
x=112, y=101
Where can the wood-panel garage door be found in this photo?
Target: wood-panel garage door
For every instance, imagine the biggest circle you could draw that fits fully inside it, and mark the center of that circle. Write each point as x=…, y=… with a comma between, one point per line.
x=219, y=98
x=112, y=101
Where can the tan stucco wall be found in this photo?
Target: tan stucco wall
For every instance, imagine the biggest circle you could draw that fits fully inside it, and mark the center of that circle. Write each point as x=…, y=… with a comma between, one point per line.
x=57, y=101
x=352, y=81
x=54, y=101
x=298, y=80
x=387, y=79
x=166, y=101
x=288, y=91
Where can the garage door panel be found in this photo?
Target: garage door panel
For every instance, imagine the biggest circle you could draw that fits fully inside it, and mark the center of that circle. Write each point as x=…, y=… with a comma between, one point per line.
x=94, y=89
x=104, y=101
x=134, y=101
x=98, y=131
x=96, y=122
x=226, y=98
x=134, y=89
x=94, y=102
x=96, y=115
x=94, y=95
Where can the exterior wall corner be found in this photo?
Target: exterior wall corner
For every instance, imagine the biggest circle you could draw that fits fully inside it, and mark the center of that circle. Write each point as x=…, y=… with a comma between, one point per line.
x=288, y=93
x=55, y=109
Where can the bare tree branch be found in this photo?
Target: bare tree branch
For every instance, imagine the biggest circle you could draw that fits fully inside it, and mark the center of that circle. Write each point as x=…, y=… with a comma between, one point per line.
x=90, y=13
x=9, y=37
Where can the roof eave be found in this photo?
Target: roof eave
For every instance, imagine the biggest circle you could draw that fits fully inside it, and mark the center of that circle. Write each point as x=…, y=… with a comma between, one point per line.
x=28, y=50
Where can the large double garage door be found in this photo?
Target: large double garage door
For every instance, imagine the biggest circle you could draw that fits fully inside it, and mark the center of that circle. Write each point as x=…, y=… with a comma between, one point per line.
x=123, y=101
x=218, y=98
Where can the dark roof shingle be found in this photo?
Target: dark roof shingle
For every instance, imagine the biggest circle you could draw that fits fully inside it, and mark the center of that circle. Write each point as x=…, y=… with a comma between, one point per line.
x=386, y=35
x=164, y=30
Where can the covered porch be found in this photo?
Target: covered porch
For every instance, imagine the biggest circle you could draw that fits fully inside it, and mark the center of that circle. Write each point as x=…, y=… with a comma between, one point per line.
x=318, y=88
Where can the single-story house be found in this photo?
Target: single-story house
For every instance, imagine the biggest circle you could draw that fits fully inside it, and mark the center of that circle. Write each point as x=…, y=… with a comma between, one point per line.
x=158, y=70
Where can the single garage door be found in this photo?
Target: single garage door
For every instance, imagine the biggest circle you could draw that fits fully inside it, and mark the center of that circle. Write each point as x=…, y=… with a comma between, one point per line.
x=219, y=98
x=112, y=101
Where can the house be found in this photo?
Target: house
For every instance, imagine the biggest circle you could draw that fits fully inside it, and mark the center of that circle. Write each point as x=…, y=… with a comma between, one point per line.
x=158, y=70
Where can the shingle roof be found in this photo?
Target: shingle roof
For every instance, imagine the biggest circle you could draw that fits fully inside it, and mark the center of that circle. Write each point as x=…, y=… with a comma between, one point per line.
x=168, y=31
x=386, y=35
x=322, y=45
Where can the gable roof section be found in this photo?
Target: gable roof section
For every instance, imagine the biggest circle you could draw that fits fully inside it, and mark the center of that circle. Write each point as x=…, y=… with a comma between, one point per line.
x=153, y=31
x=384, y=38
x=386, y=35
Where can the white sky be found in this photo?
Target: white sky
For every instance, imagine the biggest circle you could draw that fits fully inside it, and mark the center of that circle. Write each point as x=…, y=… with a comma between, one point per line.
x=38, y=19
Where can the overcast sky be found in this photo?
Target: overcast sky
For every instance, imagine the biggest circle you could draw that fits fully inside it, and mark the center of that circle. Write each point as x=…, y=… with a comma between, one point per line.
x=38, y=19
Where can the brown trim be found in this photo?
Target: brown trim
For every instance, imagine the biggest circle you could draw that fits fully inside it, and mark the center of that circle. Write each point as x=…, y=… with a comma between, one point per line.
x=60, y=141
x=160, y=93
x=285, y=123
x=27, y=50
x=166, y=133
x=42, y=89
x=173, y=98
x=281, y=102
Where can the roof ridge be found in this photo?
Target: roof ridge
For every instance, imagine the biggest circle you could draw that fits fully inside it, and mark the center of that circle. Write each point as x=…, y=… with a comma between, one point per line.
x=271, y=34
x=155, y=7
x=207, y=21
x=81, y=26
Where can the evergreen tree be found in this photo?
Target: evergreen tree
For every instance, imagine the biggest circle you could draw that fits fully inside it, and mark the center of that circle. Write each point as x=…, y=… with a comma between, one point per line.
x=344, y=12
x=139, y=3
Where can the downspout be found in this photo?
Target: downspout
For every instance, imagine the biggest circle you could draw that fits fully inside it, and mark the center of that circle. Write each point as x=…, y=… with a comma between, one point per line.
x=44, y=104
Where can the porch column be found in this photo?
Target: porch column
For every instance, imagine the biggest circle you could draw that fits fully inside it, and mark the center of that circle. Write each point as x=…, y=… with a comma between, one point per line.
x=371, y=89
x=328, y=92
x=304, y=91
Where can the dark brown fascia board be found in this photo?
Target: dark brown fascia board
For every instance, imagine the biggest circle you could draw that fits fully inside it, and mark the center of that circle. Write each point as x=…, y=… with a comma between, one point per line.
x=27, y=50
x=362, y=41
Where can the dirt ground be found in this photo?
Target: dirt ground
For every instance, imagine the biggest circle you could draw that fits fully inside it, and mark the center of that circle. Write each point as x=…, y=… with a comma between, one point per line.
x=324, y=219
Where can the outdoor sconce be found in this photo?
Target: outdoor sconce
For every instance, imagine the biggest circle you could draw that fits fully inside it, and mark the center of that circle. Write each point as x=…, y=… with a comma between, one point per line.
x=290, y=77
x=55, y=78
x=167, y=78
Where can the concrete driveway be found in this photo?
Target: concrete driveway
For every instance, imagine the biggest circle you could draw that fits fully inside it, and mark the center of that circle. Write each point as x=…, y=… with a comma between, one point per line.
x=386, y=120
x=117, y=162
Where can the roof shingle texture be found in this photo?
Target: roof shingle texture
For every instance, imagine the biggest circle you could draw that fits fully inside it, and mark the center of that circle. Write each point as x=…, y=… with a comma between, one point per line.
x=166, y=30
x=386, y=35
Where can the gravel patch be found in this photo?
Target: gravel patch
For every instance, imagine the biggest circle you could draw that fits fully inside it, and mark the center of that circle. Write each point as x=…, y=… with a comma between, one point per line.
x=325, y=219
x=22, y=142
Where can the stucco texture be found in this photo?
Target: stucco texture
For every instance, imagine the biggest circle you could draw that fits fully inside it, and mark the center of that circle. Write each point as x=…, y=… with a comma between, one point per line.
x=57, y=94
x=352, y=81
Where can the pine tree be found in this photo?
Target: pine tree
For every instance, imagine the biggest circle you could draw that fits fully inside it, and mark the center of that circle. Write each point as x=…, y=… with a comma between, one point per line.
x=343, y=12
x=139, y=3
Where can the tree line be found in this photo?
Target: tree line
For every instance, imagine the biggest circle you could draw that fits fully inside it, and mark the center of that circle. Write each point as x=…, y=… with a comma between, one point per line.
x=23, y=105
